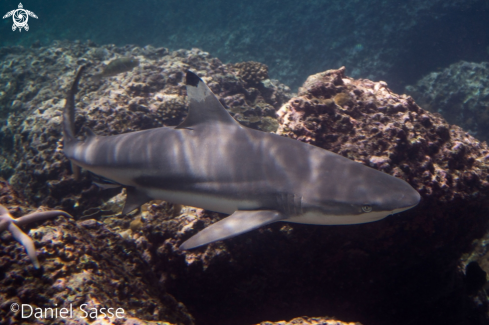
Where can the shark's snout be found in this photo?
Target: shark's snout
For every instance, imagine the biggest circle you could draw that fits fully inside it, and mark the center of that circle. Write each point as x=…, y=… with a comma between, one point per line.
x=411, y=197
x=398, y=195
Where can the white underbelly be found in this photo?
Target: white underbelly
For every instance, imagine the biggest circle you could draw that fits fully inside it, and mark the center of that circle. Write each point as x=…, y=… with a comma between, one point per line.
x=322, y=219
x=207, y=202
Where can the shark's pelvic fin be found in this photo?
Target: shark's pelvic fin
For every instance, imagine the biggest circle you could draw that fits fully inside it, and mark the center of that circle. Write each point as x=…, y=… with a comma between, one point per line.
x=237, y=223
x=89, y=132
x=134, y=199
x=204, y=106
x=3, y=210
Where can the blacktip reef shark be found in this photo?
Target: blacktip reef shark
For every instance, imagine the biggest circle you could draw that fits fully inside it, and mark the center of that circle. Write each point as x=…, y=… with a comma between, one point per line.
x=7, y=222
x=212, y=162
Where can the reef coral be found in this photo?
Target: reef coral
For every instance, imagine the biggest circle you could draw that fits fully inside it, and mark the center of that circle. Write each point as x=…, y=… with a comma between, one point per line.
x=310, y=321
x=460, y=93
x=83, y=262
x=253, y=73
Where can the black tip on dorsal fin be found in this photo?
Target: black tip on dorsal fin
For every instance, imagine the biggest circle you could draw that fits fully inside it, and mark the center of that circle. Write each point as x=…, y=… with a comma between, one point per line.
x=192, y=79
x=204, y=107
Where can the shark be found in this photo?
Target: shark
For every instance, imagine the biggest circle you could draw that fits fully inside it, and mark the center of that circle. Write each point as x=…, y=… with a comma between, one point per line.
x=212, y=162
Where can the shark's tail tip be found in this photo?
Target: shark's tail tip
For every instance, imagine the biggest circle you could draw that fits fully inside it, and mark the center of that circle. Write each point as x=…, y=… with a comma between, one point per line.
x=74, y=87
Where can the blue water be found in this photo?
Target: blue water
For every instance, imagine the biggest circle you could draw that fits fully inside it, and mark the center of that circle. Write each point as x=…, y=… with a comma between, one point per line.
x=394, y=41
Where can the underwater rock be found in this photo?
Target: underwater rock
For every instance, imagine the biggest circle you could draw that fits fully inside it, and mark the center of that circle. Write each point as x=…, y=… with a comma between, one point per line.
x=388, y=132
x=475, y=265
x=116, y=66
x=151, y=95
x=11, y=198
x=460, y=93
x=310, y=321
x=83, y=262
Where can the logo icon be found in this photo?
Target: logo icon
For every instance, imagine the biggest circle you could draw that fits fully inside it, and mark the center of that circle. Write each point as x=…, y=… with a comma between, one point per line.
x=20, y=17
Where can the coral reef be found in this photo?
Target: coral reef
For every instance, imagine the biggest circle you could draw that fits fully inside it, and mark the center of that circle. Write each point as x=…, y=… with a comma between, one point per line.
x=82, y=263
x=253, y=73
x=475, y=266
x=309, y=321
x=151, y=95
x=460, y=93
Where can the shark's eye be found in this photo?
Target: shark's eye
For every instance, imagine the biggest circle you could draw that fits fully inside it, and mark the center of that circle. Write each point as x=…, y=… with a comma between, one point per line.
x=367, y=208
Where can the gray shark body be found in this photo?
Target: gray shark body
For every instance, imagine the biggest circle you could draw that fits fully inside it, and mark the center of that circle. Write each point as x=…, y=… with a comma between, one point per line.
x=210, y=161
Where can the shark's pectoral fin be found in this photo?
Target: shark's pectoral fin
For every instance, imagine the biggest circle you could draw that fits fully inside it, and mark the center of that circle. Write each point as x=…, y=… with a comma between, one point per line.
x=237, y=223
x=134, y=200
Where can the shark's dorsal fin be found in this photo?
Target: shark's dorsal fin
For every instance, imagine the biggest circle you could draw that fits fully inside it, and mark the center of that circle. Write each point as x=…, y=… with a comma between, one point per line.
x=204, y=107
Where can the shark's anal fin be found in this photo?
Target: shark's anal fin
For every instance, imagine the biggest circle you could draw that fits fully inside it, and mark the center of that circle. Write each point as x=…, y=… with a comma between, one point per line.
x=204, y=107
x=76, y=171
x=237, y=223
x=134, y=199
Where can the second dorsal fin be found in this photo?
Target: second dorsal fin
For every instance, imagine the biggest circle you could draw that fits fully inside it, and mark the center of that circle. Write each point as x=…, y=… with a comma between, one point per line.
x=204, y=107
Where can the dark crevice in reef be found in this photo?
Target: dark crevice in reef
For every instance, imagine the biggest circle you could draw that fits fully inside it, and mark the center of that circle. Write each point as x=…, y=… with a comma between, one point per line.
x=461, y=34
x=426, y=292
x=438, y=296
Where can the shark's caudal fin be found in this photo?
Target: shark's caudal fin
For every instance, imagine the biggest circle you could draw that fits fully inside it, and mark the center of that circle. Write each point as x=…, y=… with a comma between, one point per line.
x=69, y=109
x=237, y=223
x=69, y=118
x=204, y=106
